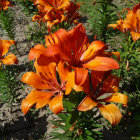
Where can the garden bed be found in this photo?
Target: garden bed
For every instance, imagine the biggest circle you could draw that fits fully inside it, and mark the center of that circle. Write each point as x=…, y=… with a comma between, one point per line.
x=36, y=124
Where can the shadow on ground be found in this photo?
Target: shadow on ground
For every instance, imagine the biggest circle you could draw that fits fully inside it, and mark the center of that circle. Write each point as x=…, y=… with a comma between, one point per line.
x=25, y=128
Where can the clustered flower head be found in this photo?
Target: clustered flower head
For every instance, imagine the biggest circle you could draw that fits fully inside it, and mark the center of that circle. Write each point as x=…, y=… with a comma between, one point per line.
x=54, y=12
x=72, y=57
x=4, y=4
x=131, y=23
x=4, y=48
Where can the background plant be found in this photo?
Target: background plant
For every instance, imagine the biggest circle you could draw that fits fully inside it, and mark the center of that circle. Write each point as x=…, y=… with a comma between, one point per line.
x=130, y=74
x=28, y=7
x=102, y=14
x=36, y=34
x=7, y=24
x=9, y=85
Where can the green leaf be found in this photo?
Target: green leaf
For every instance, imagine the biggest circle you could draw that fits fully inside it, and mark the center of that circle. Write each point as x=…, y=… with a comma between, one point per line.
x=69, y=105
x=62, y=116
x=90, y=138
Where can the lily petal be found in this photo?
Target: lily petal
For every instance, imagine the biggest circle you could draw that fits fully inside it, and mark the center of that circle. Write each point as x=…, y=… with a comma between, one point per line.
x=34, y=80
x=80, y=75
x=56, y=104
x=65, y=41
x=47, y=71
x=56, y=53
x=135, y=36
x=102, y=64
x=49, y=4
x=111, y=113
x=10, y=59
x=43, y=60
x=71, y=84
x=94, y=49
x=5, y=45
x=79, y=40
x=118, y=98
x=51, y=39
x=41, y=98
x=36, y=51
x=86, y=104
x=63, y=71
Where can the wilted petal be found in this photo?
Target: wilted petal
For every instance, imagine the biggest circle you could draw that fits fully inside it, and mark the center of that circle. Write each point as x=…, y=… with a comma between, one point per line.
x=86, y=104
x=39, y=98
x=34, y=80
x=56, y=105
x=102, y=64
x=111, y=113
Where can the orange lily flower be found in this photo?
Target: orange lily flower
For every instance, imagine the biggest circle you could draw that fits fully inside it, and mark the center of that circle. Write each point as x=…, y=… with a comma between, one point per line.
x=119, y=26
x=47, y=88
x=52, y=4
x=103, y=83
x=133, y=20
x=73, y=48
x=4, y=4
x=131, y=23
x=4, y=48
x=55, y=12
x=51, y=18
